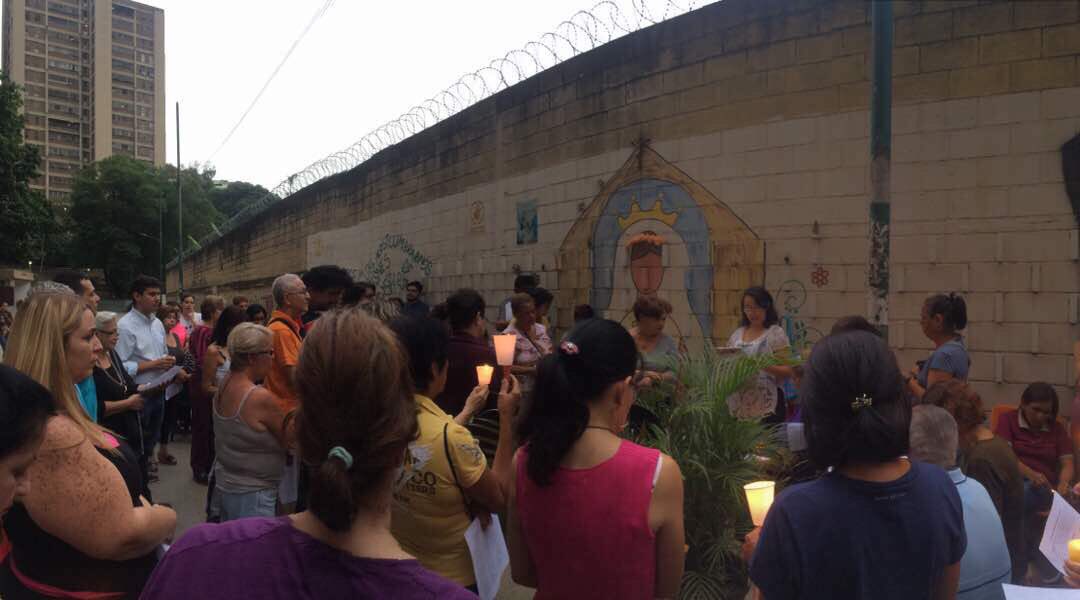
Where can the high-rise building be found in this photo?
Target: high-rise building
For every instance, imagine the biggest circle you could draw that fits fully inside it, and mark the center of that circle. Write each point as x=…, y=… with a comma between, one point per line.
x=93, y=73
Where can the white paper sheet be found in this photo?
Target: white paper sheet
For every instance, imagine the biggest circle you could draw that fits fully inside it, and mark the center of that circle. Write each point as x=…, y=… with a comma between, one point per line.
x=489, y=555
x=1062, y=525
x=161, y=380
x=1019, y=592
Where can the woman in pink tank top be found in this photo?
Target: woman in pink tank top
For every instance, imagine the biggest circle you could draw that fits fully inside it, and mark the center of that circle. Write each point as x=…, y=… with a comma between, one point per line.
x=592, y=515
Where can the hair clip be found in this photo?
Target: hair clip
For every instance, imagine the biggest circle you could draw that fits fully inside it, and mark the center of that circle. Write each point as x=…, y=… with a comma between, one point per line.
x=861, y=402
x=569, y=348
x=341, y=454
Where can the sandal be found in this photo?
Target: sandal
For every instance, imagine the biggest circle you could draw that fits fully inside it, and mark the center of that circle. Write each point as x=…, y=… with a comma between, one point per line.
x=168, y=459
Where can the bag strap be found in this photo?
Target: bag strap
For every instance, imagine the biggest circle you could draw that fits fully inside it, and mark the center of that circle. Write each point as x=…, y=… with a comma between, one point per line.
x=299, y=334
x=453, y=471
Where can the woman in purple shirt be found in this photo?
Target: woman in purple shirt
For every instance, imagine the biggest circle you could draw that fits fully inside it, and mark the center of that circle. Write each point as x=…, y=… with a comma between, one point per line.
x=353, y=380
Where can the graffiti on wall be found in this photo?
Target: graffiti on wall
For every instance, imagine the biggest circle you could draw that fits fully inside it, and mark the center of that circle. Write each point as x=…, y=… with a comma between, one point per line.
x=790, y=298
x=395, y=263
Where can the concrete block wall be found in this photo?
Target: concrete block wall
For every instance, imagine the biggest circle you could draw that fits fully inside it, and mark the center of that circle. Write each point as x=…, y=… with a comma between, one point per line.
x=764, y=104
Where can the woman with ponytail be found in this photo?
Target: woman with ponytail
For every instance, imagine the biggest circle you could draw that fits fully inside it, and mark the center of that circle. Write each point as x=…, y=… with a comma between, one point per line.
x=592, y=515
x=943, y=318
x=356, y=422
x=876, y=525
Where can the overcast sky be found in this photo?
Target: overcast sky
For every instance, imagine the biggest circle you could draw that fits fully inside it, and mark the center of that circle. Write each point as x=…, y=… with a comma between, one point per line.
x=362, y=64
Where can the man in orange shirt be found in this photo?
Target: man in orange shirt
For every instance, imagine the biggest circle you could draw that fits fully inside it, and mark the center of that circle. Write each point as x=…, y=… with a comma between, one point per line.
x=291, y=298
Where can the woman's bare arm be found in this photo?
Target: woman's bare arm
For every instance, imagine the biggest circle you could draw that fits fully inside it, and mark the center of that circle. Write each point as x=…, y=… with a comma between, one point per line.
x=78, y=496
x=522, y=570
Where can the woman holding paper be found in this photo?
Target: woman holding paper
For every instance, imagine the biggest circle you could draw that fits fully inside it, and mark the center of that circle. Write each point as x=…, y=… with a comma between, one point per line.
x=877, y=525
x=83, y=528
x=446, y=482
x=593, y=515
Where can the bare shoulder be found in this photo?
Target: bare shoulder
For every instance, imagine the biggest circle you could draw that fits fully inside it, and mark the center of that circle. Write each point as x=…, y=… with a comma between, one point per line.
x=61, y=433
x=670, y=474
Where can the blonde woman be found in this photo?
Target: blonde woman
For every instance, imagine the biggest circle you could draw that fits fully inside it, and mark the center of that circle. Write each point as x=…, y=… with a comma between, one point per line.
x=84, y=510
x=250, y=428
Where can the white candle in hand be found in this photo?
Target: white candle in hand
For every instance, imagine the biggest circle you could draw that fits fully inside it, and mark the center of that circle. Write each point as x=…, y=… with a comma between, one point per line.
x=504, y=349
x=483, y=374
x=759, y=495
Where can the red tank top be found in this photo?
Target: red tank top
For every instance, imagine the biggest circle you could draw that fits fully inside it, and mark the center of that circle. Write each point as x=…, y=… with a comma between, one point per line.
x=588, y=531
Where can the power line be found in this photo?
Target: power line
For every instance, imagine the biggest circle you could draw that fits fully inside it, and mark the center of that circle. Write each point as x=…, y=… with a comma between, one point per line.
x=318, y=15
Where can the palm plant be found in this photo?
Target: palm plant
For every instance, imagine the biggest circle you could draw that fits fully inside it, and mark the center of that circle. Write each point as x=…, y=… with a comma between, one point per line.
x=718, y=454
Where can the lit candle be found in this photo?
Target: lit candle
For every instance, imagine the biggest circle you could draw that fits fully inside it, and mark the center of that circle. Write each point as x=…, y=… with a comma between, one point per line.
x=483, y=374
x=759, y=495
x=504, y=349
x=1074, y=551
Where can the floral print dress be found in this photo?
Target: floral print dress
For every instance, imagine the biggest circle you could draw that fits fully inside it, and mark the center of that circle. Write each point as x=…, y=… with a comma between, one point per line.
x=758, y=399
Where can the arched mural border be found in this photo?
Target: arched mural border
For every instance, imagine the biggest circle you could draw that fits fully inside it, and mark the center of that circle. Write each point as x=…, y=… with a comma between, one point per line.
x=737, y=254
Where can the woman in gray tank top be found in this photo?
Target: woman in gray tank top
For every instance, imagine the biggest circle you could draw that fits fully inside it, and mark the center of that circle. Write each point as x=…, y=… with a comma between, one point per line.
x=251, y=429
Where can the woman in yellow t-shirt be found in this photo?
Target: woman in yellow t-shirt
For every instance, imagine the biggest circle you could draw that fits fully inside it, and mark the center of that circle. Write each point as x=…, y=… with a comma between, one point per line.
x=446, y=482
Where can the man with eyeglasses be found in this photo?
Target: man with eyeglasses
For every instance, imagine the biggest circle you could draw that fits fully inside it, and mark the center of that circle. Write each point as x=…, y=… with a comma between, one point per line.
x=291, y=299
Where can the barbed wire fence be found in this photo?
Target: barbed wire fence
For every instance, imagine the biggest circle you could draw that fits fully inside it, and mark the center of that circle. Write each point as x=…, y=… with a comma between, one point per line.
x=585, y=30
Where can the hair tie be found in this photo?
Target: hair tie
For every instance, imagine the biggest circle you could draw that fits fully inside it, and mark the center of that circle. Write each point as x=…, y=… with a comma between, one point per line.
x=569, y=348
x=342, y=454
x=861, y=402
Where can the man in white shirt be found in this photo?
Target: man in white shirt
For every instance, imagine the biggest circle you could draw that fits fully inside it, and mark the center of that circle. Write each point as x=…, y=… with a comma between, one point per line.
x=142, y=349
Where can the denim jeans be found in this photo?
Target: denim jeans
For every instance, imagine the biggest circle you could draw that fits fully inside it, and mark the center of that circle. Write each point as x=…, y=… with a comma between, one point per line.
x=260, y=503
x=153, y=413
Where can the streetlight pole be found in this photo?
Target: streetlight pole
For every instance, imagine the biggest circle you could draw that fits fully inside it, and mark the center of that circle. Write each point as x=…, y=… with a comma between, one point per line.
x=179, y=204
x=881, y=18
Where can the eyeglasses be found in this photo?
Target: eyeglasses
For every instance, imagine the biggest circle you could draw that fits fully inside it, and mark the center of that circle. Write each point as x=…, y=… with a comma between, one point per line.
x=109, y=332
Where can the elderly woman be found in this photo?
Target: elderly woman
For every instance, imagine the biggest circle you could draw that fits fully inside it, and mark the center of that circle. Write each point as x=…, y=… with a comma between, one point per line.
x=250, y=428
x=942, y=319
x=657, y=348
x=84, y=510
x=989, y=460
x=986, y=564
x=816, y=536
x=357, y=423
x=532, y=343
x=760, y=333
x=118, y=397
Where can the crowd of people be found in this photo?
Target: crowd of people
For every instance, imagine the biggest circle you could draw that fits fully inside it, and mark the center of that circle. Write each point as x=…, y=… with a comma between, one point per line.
x=335, y=435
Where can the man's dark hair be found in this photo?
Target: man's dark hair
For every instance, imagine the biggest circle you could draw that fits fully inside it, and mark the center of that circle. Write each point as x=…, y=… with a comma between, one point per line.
x=143, y=283
x=327, y=277
x=854, y=403
x=238, y=300
x=583, y=312
x=355, y=292
x=419, y=286
x=425, y=340
x=854, y=323
x=525, y=282
x=541, y=297
x=73, y=279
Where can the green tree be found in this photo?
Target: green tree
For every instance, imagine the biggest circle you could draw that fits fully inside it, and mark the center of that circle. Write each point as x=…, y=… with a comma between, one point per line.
x=25, y=219
x=117, y=205
x=234, y=196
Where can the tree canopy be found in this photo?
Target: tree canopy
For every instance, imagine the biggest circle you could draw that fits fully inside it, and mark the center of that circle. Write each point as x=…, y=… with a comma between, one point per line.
x=115, y=214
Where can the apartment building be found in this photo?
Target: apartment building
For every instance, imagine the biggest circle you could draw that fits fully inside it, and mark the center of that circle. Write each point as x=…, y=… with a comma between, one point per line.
x=93, y=73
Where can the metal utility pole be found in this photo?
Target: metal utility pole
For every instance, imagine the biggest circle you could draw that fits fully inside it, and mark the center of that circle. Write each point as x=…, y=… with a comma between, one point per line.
x=179, y=206
x=881, y=17
x=161, y=238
